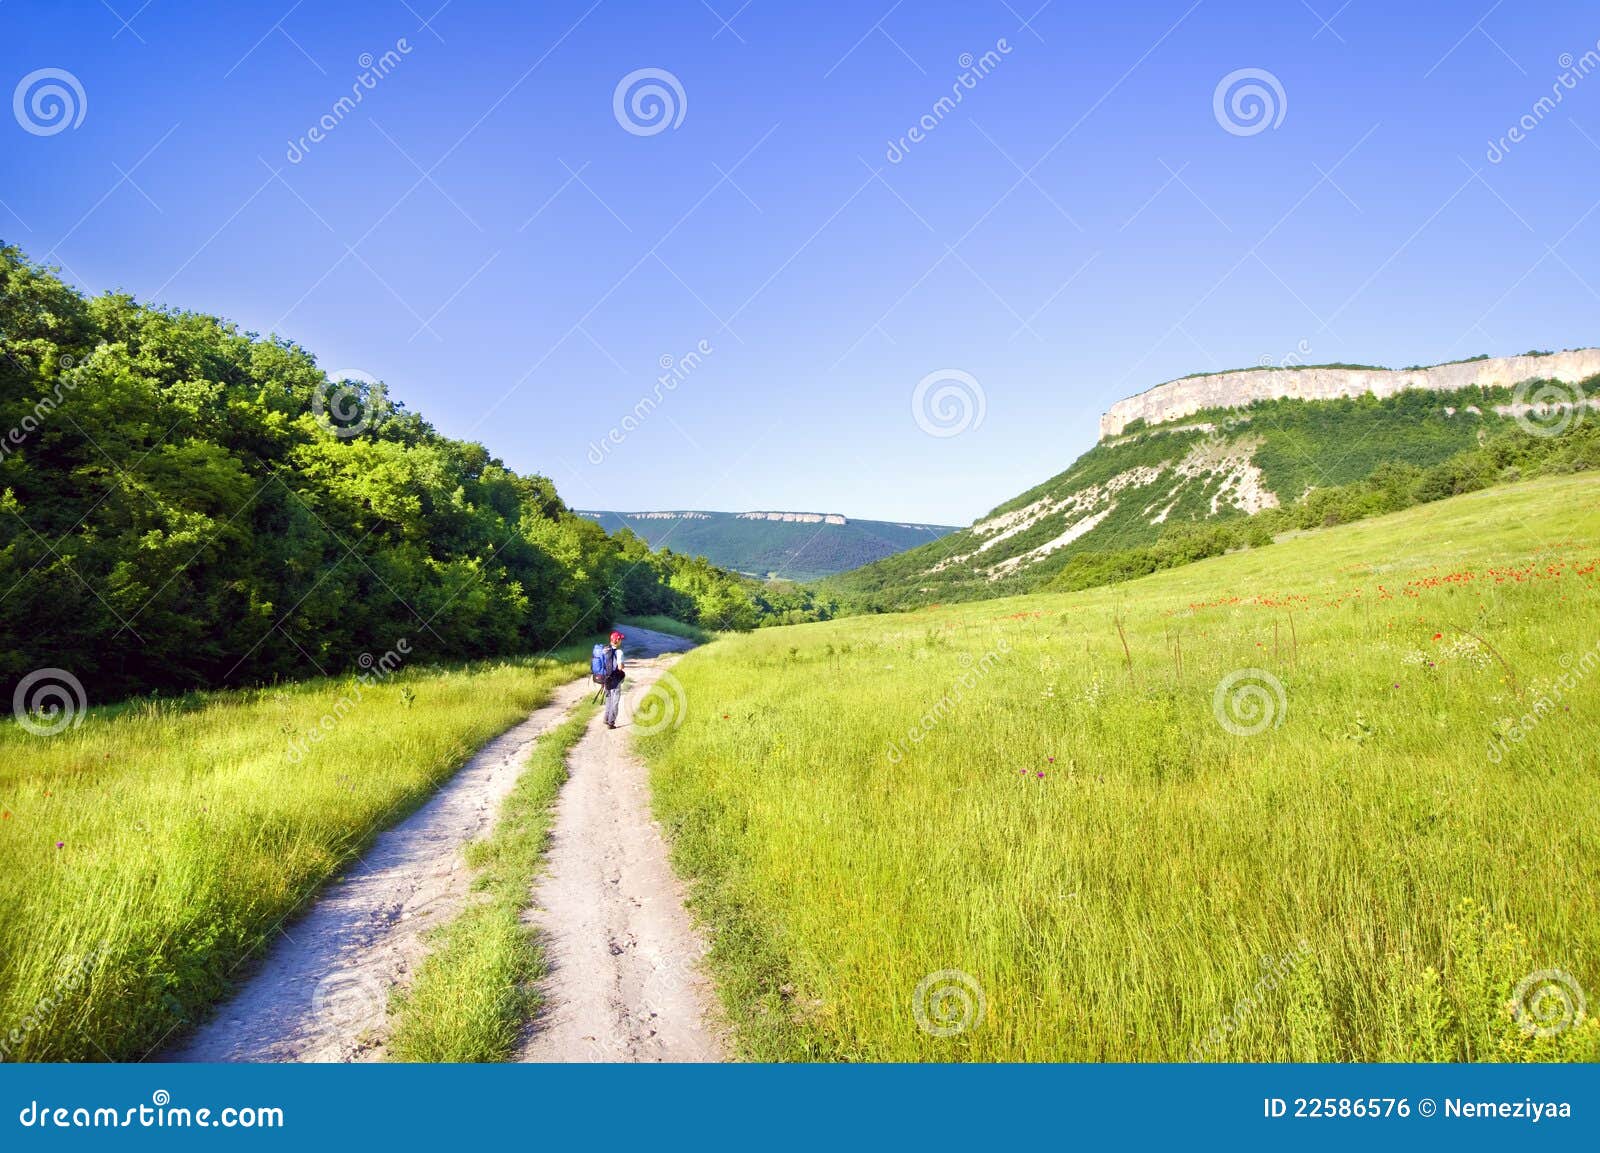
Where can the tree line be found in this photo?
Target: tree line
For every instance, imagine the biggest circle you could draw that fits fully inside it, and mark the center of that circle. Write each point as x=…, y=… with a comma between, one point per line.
x=186, y=505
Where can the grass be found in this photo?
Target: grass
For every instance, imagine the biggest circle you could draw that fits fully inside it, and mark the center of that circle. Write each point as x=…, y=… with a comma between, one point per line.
x=475, y=991
x=148, y=852
x=671, y=627
x=1019, y=830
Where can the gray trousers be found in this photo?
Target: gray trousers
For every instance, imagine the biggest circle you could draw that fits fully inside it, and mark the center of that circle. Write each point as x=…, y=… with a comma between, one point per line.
x=613, y=703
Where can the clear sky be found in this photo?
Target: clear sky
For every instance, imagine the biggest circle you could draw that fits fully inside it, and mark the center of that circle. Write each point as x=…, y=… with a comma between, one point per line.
x=485, y=233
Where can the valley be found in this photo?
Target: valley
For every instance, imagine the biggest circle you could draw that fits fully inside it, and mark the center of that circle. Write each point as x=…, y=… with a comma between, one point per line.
x=794, y=546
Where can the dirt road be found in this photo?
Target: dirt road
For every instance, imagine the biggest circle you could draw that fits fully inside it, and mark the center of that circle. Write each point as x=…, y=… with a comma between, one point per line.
x=625, y=982
x=322, y=990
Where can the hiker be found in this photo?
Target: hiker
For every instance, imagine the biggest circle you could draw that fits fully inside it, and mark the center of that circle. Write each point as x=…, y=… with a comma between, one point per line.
x=613, y=679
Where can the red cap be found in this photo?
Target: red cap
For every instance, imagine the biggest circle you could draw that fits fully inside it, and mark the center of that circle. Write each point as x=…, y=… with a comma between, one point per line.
x=616, y=636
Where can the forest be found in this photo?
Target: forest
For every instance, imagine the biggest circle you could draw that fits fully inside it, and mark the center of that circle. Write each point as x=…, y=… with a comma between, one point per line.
x=185, y=505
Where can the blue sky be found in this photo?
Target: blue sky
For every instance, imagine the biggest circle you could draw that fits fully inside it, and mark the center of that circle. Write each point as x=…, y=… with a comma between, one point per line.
x=484, y=233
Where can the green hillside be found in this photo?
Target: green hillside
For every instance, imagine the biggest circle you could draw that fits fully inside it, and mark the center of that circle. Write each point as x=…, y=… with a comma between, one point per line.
x=1219, y=479
x=1331, y=800
x=793, y=549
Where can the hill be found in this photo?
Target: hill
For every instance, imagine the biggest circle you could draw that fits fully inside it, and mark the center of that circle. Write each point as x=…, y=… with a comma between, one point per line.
x=1331, y=800
x=1247, y=453
x=792, y=545
x=185, y=505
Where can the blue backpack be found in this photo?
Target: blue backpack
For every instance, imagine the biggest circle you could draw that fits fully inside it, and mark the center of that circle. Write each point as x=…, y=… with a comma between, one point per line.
x=600, y=664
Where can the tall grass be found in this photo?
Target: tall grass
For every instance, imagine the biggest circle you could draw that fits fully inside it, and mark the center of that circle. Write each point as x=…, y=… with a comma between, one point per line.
x=1019, y=830
x=147, y=853
x=475, y=992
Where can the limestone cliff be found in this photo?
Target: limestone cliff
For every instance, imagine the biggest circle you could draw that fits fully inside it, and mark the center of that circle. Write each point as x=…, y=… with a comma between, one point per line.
x=1180, y=398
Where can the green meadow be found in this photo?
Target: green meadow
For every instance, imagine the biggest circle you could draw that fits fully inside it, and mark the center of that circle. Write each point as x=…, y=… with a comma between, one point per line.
x=148, y=852
x=1330, y=800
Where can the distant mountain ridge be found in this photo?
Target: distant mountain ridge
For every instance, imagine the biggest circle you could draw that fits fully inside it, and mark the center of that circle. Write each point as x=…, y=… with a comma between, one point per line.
x=772, y=543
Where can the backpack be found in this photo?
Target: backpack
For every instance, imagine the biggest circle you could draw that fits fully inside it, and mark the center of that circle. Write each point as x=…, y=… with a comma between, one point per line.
x=600, y=664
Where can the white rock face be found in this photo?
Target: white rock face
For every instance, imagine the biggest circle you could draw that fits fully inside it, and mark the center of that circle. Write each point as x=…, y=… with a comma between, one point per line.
x=665, y=515
x=1087, y=525
x=1082, y=503
x=796, y=517
x=1180, y=398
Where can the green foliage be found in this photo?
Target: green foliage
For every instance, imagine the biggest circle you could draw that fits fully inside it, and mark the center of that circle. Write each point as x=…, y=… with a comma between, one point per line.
x=1330, y=462
x=173, y=514
x=1390, y=488
x=1485, y=998
x=782, y=603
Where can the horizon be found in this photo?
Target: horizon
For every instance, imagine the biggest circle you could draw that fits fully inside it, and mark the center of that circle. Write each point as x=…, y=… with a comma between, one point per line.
x=499, y=230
